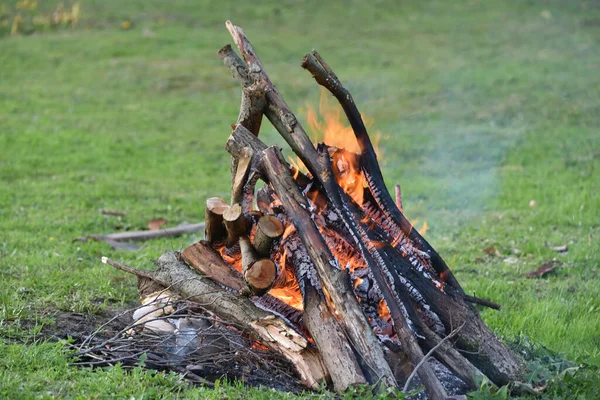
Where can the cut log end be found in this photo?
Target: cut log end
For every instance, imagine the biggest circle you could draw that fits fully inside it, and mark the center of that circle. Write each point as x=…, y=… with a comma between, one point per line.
x=261, y=274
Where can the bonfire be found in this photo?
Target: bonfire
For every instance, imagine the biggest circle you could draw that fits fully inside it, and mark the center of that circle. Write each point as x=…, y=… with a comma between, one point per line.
x=314, y=261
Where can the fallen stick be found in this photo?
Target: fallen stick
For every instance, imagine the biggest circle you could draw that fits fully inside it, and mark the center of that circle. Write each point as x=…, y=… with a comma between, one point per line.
x=140, y=236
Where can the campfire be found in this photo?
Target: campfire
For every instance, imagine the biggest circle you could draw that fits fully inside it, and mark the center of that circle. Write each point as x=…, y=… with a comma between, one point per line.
x=315, y=261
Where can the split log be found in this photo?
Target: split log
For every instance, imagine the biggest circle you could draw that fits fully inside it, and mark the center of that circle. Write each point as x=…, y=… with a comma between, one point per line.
x=215, y=231
x=268, y=229
x=237, y=311
x=241, y=175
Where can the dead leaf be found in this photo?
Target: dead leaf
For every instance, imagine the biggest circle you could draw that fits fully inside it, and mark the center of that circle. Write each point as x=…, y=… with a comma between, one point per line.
x=156, y=224
x=117, y=213
x=542, y=270
x=491, y=251
x=560, y=249
x=511, y=260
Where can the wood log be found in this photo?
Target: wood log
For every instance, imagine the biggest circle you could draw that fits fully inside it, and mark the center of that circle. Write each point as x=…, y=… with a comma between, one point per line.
x=325, y=329
x=215, y=231
x=240, y=312
x=268, y=229
x=208, y=262
x=204, y=259
x=235, y=223
x=259, y=273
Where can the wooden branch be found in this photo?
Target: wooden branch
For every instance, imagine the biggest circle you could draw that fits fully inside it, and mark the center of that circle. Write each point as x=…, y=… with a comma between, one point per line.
x=235, y=64
x=449, y=356
x=422, y=362
x=138, y=273
x=482, y=302
x=240, y=312
x=215, y=231
x=268, y=229
x=139, y=236
x=235, y=222
x=324, y=75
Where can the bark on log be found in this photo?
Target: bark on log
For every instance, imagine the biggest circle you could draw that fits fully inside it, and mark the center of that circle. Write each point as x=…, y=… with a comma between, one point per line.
x=215, y=231
x=240, y=312
x=268, y=229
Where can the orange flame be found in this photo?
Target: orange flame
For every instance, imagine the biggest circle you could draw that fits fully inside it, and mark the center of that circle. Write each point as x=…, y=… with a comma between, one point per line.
x=383, y=310
x=331, y=130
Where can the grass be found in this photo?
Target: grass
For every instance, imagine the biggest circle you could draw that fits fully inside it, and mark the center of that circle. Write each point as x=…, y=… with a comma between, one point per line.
x=483, y=106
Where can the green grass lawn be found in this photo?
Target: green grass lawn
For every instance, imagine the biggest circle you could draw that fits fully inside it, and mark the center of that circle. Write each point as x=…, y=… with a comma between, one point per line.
x=483, y=107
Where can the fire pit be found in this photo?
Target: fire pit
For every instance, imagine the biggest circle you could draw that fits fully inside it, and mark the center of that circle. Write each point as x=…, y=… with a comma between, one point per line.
x=321, y=267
